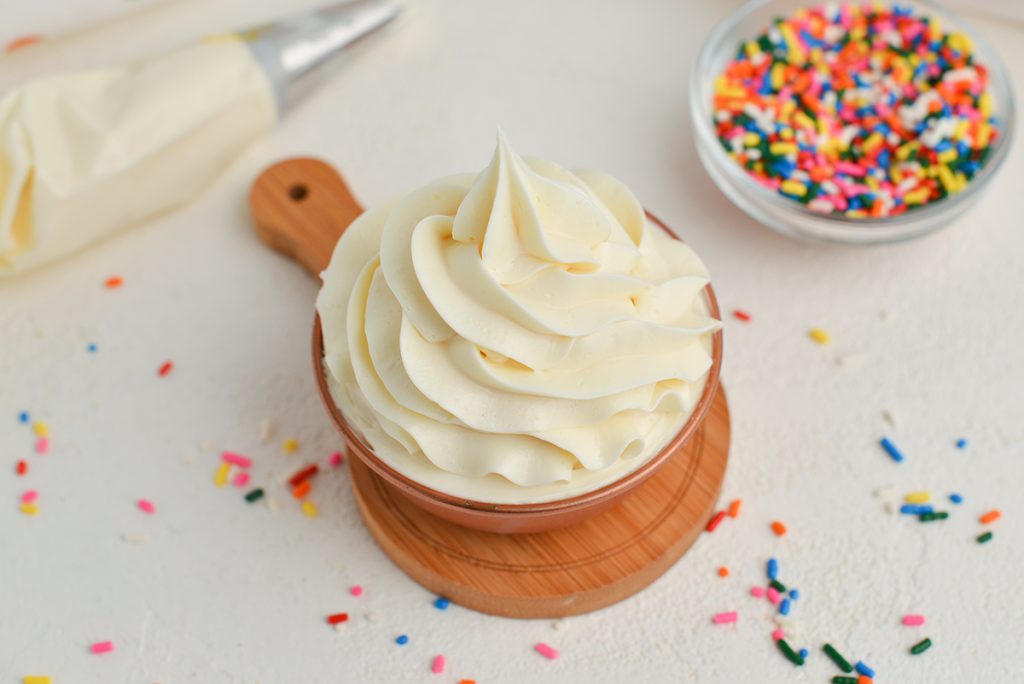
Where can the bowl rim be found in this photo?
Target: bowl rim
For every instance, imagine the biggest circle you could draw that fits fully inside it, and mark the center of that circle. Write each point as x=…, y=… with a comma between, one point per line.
x=836, y=226
x=612, y=489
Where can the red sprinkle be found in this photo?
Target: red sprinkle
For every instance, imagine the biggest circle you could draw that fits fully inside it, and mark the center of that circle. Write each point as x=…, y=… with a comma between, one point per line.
x=165, y=368
x=114, y=281
x=715, y=521
x=337, y=618
x=741, y=315
x=303, y=475
x=21, y=468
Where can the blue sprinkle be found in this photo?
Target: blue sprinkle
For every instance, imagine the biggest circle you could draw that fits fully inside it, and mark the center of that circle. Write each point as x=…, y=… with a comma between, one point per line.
x=91, y=348
x=961, y=443
x=864, y=669
x=402, y=640
x=915, y=509
x=23, y=417
x=784, y=607
x=442, y=603
x=804, y=653
x=794, y=594
x=956, y=498
x=773, y=568
x=891, y=449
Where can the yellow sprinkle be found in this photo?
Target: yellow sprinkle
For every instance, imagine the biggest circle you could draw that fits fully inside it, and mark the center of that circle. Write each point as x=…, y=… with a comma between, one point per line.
x=41, y=429
x=918, y=497
x=787, y=111
x=947, y=156
x=857, y=213
x=309, y=508
x=793, y=187
x=961, y=129
x=220, y=478
x=984, y=136
x=872, y=182
x=801, y=119
x=783, y=148
x=874, y=140
x=897, y=174
x=948, y=180
x=220, y=38
x=752, y=48
x=916, y=196
x=776, y=78
x=751, y=140
x=29, y=508
x=786, y=134
x=36, y=679
x=819, y=336
x=985, y=105
x=290, y=445
x=961, y=180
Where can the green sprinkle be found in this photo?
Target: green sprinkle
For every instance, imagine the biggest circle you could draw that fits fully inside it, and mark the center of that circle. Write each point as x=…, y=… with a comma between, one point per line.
x=984, y=538
x=928, y=517
x=841, y=662
x=840, y=679
x=790, y=654
x=778, y=586
x=921, y=646
x=254, y=495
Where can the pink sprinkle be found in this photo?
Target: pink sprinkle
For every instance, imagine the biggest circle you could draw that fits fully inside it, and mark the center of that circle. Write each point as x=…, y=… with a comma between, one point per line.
x=356, y=590
x=777, y=634
x=335, y=459
x=757, y=592
x=241, y=479
x=29, y=496
x=546, y=651
x=724, y=618
x=102, y=647
x=438, y=666
x=913, y=620
x=773, y=596
x=147, y=506
x=236, y=459
x=42, y=445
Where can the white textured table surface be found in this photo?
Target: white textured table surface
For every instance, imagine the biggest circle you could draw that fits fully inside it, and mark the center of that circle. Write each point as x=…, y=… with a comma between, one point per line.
x=230, y=592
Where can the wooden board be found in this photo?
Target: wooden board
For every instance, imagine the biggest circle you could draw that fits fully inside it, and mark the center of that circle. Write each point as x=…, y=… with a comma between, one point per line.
x=301, y=207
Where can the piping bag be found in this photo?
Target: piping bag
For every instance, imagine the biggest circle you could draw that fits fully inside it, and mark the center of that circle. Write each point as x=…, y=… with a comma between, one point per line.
x=86, y=154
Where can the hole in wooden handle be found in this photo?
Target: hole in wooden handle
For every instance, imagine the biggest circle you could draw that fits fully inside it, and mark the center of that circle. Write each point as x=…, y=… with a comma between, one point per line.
x=298, y=192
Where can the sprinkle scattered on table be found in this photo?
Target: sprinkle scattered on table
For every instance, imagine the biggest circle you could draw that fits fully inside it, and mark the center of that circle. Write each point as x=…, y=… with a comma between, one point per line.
x=723, y=572
x=788, y=651
x=113, y=282
x=441, y=603
x=890, y=448
x=240, y=479
x=236, y=459
x=290, y=445
x=741, y=315
x=956, y=498
x=220, y=476
x=921, y=646
x=255, y=495
x=337, y=618
x=356, y=590
x=837, y=658
x=402, y=639
x=734, y=508
x=819, y=336
x=101, y=647
x=913, y=620
x=725, y=618
x=715, y=521
x=21, y=468
x=961, y=443
x=309, y=508
x=165, y=368
x=546, y=651
x=437, y=666
x=136, y=538
x=990, y=517
x=91, y=347
x=778, y=528
x=864, y=669
x=984, y=538
x=43, y=445
x=41, y=429
x=146, y=506
x=335, y=459
x=36, y=679
x=23, y=417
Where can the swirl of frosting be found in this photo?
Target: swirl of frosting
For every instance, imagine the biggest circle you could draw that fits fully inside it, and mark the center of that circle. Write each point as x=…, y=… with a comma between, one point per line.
x=517, y=336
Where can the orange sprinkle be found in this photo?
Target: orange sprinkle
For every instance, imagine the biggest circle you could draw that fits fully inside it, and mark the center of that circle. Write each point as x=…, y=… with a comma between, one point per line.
x=734, y=508
x=467, y=681
x=864, y=679
x=22, y=42
x=723, y=571
x=778, y=528
x=114, y=281
x=302, y=489
x=990, y=517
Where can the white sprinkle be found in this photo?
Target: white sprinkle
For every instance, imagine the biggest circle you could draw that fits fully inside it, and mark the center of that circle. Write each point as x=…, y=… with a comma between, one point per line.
x=266, y=430
x=189, y=458
x=137, y=538
x=889, y=417
x=207, y=445
x=850, y=361
x=559, y=625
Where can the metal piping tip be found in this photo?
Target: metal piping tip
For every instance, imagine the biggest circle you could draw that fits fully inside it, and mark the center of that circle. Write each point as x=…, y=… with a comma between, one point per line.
x=296, y=53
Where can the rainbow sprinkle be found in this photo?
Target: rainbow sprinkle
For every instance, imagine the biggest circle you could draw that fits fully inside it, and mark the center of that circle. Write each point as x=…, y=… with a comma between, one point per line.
x=861, y=111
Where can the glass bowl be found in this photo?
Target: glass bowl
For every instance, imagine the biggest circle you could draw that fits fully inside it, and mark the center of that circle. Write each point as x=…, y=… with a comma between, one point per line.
x=790, y=217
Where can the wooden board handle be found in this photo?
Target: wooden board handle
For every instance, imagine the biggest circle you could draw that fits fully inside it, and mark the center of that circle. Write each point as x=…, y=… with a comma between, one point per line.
x=301, y=207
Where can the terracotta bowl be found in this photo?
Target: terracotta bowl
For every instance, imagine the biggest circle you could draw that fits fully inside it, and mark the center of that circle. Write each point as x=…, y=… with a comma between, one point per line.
x=520, y=518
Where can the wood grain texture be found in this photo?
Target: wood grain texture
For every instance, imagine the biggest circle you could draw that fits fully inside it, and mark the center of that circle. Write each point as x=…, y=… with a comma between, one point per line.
x=300, y=208
x=563, y=572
